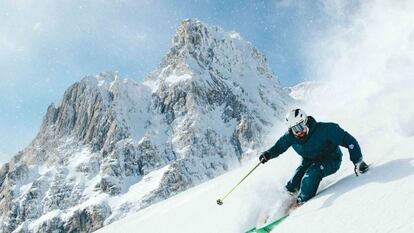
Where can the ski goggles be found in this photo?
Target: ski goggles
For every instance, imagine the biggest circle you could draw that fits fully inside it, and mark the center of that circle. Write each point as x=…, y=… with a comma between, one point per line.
x=300, y=127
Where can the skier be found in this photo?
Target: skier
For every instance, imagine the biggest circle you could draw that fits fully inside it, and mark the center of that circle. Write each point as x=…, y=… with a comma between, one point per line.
x=318, y=144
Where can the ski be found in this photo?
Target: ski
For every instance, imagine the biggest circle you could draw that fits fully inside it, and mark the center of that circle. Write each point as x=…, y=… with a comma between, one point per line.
x=268, y=227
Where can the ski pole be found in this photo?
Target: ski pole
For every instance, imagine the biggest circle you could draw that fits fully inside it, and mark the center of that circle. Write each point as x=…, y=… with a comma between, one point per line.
x=220, y=201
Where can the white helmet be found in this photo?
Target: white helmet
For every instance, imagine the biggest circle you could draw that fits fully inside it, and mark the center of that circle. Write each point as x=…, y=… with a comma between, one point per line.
x=295, y=117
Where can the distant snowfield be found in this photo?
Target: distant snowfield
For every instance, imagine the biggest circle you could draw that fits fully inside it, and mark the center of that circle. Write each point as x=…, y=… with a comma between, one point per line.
x=370, y=95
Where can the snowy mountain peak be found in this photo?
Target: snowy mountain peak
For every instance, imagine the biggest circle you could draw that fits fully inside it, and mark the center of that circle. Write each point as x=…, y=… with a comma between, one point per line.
x=192, y=34
x=196, y=36
x=198, y=48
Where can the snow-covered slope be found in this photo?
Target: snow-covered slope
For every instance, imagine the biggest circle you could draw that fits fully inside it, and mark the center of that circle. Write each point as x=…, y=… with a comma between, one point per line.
x=380, y=201
x=113, y=146
x=368, y=68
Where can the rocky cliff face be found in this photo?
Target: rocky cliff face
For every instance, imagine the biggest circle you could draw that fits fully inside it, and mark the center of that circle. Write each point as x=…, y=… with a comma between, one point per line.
x=113, y=146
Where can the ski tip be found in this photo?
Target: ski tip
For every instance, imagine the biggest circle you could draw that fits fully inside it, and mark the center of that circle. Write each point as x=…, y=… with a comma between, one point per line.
x=269, y=227
x=253, y=230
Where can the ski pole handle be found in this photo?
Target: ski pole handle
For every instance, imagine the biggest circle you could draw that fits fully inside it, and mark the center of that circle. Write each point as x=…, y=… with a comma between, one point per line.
x=220, y=201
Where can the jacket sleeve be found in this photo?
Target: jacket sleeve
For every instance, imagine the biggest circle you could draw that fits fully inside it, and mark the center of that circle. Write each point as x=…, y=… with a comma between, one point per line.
x=280, y=146
x=343, y=138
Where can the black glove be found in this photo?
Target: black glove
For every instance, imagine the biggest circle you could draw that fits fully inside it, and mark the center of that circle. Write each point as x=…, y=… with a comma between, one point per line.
x=264, y=157
x=360, y=168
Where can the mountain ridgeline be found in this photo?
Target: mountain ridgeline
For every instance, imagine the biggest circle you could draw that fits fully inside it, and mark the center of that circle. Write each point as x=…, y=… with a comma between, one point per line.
x=202, y=111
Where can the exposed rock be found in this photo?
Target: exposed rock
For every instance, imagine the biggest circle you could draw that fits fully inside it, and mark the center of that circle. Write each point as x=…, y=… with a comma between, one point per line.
x=88, y=220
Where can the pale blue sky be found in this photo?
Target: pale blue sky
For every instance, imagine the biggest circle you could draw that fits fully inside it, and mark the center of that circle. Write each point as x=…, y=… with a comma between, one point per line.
x=45, y=46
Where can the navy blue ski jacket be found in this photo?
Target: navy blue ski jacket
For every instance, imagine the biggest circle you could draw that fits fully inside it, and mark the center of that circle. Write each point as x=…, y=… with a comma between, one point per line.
x=321, y=143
